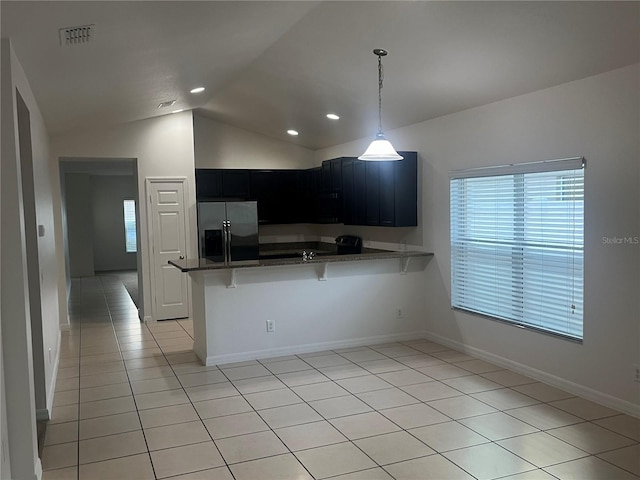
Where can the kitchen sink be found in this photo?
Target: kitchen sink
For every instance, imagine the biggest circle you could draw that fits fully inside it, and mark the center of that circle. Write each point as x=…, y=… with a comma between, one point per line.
x=281, y=254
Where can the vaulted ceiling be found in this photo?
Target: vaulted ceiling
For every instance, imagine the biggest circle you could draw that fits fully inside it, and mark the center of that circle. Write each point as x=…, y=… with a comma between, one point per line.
x=269, y=66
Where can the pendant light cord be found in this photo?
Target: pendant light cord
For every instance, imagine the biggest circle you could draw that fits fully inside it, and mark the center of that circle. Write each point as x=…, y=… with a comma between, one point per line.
x=380, y=78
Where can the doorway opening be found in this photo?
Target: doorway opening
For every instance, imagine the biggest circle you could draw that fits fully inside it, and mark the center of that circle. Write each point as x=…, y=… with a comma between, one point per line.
x=101, y=221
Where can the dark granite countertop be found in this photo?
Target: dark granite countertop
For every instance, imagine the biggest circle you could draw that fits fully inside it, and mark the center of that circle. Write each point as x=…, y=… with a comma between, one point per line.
x=325, y=253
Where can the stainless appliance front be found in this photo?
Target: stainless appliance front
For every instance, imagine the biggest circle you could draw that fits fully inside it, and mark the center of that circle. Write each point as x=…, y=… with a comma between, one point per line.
x=228, y=231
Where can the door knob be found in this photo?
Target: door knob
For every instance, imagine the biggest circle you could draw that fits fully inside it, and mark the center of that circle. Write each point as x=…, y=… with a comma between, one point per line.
x=181, y=257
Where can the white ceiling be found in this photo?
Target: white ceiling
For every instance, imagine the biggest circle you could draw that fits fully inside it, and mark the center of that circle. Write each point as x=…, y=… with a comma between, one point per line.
x=270, y=66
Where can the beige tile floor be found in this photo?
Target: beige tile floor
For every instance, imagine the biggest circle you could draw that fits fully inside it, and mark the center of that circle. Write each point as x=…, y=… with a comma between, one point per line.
x=133, y=402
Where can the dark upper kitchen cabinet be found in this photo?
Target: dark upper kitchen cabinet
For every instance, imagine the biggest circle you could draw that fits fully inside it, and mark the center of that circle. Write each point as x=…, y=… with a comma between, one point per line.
x=399, y=191
x=342, y=190
x=372, y=189
x=325, y=177
x=331, y=172
x=260, y=186
x=222, y=184
x=325, y=204
x=381, y=193
x=310, y=185
x=387, y=194
x=208, y=184
x=279, y=195
x=354, y=195
x=235, y=184
x=329, y=199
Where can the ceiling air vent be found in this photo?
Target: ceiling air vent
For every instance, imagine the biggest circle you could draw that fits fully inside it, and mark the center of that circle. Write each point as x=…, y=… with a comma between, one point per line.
x=168, y=103
x=76, y=35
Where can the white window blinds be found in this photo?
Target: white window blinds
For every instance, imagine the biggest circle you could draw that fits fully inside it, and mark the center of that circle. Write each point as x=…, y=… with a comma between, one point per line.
x=517, y=244
x=130, y=226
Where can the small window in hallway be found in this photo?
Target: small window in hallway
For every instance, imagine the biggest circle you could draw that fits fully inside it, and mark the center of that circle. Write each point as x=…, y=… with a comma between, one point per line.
x=130, y=225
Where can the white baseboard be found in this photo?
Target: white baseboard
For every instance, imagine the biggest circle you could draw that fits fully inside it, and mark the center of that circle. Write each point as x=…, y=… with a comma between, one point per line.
x=588, y=393
x=309, y=347
x=38, y=469
x=54, y=376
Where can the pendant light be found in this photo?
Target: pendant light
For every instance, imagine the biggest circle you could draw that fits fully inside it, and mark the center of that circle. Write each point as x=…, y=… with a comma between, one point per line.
x=380, y=148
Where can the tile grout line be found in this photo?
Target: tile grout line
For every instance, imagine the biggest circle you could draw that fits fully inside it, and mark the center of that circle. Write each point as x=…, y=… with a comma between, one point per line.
x=195, y=410
x=131, y=388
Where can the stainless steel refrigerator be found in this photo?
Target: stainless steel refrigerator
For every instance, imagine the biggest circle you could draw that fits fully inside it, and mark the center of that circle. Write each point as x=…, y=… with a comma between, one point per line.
x=228, y=231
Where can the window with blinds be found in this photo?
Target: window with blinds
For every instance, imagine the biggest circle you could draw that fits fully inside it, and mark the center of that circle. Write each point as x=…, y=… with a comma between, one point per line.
x=130, y=226
x=517, y=244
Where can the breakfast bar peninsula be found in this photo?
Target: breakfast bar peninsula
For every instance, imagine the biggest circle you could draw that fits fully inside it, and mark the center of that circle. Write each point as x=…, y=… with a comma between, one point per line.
x=304, y=297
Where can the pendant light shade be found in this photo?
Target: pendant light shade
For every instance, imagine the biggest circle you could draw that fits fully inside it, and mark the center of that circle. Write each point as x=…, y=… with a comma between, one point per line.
x=380, y=149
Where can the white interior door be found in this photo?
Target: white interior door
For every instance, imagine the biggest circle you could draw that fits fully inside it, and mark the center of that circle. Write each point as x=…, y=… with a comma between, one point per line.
x=169, y=242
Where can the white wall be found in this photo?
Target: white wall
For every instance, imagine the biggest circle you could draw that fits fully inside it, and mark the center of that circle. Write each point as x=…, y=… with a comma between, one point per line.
x=162, y=146
x=218, y=145
x=356, y=305
x=107, y=195
x=15, y=314
x=598, y=118
x=5, y=465
x=79, y=215
x=5, y=461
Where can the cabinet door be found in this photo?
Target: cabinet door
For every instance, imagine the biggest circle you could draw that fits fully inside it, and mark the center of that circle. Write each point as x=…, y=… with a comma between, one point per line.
x=315, y=180
x=387, y=193
x=235, y=184
x=208, y=184
x=372, y=170
x=285, y=194
x=325, y=175
x=359, y=193
x=354, y=192
x=348, y=184
x=406, y=190
x=336, y=174
x=259, y=185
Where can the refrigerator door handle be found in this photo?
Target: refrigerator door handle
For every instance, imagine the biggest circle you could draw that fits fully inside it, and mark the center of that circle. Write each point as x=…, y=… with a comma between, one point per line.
x=225, y=242
x=229, y=241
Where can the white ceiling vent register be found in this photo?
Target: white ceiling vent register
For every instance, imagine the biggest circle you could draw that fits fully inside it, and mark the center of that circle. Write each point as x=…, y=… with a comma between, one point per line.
x=76, y=35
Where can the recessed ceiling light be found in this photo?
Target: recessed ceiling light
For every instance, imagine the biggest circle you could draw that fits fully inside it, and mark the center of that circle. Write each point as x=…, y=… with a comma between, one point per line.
x=178, y=111
x=292, y=132
x=333, y=116
x=197, y=90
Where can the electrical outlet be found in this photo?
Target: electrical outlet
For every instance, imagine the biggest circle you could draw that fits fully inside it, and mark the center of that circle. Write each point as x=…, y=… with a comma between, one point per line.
x=399, y=312
x=271, y=326
x=636, y=373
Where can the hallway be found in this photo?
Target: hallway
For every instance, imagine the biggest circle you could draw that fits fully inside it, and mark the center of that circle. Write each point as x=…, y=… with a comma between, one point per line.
x=133, y=402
